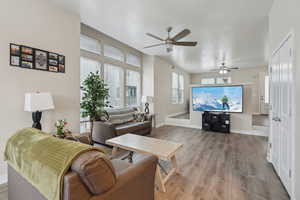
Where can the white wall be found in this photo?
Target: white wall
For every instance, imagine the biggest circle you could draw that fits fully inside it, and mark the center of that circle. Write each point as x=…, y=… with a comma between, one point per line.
x=157, y=74
x=284, y=18
x=148, y=78
x=39, y=24
x=249, y=78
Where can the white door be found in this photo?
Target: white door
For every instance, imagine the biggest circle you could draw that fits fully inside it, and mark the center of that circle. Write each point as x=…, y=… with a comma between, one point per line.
x=285, y=116
x=275, y=110
x=281, y=114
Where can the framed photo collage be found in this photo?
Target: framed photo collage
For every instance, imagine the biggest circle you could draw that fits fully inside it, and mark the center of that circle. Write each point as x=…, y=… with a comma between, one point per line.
x=32, y=58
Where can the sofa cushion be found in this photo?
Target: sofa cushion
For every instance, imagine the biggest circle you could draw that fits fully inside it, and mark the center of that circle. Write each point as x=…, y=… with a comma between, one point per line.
x=132, y=127
x=120, y=111
x=96, y=171
x=121, y=116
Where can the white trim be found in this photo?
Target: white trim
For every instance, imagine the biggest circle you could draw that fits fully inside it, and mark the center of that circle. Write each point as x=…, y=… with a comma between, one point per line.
x=3, y=187
x=175, y=114
x=250, y=132
x=290, y=35
x=183, y=125
x=159, y=125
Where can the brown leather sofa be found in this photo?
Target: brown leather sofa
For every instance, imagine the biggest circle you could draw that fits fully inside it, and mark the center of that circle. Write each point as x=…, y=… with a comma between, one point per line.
x=121, y=121
x=93, y=177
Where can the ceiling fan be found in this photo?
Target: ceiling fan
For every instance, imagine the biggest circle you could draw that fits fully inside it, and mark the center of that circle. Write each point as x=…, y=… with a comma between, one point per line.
x=171, y=41
x=223, y=69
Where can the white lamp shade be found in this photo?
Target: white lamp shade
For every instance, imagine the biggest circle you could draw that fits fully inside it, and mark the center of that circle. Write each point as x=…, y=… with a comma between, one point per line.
x=147, y=99
x=38, y=102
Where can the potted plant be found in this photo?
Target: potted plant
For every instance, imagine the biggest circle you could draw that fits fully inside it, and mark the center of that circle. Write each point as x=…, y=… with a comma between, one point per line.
x=95, y=99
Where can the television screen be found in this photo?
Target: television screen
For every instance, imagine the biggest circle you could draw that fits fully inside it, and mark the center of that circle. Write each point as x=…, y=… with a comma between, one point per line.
x=218, y=98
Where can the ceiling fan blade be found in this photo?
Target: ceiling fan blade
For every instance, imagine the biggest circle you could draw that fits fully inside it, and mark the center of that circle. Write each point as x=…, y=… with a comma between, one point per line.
x=233, y=68
x=191, y=44
x=155, y=45
x=154, y=36
x=181, y=35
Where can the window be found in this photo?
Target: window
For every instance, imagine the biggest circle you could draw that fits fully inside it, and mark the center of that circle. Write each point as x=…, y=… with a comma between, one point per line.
x=133, y=60
x=177, y=88
x=223, y=80
x=267, y=89
x=114, y=78
x=123, y=78
x=87, y=66
x=181, y=90
x=133, y=82
x=112, y=52
x=90, y=44
x=207, y=81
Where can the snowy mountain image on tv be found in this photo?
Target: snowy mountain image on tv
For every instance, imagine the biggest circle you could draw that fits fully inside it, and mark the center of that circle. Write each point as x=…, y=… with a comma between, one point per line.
x=218, y=98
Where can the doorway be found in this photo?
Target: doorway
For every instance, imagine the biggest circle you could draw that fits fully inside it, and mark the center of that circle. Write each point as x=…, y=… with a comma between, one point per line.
x=282, y=112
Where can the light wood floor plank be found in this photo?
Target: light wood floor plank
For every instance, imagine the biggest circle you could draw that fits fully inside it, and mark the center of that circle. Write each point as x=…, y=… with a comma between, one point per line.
x=215, y=166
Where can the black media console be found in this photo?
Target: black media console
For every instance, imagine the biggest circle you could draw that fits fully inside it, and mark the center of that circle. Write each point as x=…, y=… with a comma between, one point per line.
x=217, y=122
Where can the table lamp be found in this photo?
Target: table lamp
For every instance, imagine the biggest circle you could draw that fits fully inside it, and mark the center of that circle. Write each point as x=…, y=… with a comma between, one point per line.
x=147, y=100
x=36, y=103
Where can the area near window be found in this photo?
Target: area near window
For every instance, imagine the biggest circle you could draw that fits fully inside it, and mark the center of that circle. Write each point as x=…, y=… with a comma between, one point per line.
x=133, y=60
x=177, y=88
x=120, y=69
x=114, y=78
x=90, y=44
x=113, y=52
x=133, y=89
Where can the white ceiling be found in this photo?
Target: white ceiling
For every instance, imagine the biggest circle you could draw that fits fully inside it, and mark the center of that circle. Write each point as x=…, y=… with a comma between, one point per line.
x=234, y=30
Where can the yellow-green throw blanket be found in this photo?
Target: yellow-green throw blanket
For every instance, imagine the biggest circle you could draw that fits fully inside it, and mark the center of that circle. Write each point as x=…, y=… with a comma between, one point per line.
x=43, y=159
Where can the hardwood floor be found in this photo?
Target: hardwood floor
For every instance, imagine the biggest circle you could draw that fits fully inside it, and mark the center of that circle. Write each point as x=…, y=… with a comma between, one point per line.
x=215, y=166
x=220, y=167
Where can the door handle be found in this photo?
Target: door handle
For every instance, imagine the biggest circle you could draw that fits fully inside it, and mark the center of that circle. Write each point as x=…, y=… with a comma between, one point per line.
x=276, y=119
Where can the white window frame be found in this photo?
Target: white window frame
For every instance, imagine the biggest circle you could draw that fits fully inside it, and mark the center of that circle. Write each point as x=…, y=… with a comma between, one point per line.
x=101, y=58
x=208, y=81
x=180, y=98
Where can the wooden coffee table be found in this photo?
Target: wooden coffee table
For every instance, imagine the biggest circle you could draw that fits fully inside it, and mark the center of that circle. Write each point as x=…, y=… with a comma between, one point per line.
x=163, y=149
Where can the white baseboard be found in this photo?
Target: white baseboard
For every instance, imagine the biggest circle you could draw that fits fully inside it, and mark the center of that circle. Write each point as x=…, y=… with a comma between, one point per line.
x=175, y=114
x=3, y=187
x=159, y=125
x=250, y=132
x=183, y=125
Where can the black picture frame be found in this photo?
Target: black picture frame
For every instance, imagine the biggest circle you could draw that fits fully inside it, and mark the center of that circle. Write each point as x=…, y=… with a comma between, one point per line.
x=53, y=69
x=15, y=50
x=15, y=61
x=41, y=59
x=26, y=50
x=26, y=64
x=32, y=58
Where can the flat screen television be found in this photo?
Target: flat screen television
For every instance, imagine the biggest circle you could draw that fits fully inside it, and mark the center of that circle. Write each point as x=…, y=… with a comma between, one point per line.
x=218, y=98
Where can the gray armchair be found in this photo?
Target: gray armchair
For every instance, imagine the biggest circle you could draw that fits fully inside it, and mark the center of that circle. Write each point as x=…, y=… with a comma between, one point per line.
x=121, y=121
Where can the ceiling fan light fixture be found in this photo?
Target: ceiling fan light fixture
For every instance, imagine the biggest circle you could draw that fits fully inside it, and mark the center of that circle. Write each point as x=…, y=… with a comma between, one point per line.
x=169, y=48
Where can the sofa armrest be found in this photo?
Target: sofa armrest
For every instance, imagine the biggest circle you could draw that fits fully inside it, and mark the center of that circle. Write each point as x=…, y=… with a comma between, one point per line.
x=134, y=183
x=74, y=189
x=103, y=131
x=149, y=117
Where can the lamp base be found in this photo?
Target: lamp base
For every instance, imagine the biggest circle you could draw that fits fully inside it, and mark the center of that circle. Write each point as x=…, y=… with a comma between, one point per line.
x=147, y=111
x=36, y=118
